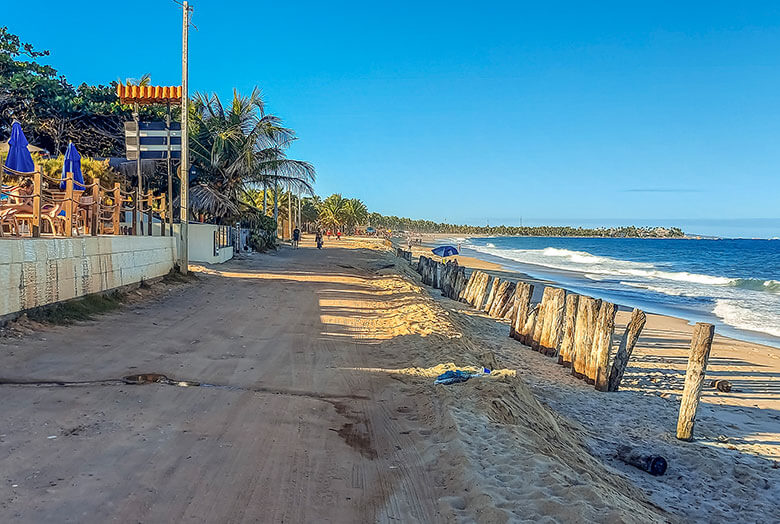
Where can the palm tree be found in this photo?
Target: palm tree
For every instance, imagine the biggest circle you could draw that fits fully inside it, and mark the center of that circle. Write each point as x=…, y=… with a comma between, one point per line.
x=239, y=149
x=332, y=211
x=145, y=80
x=355, y=213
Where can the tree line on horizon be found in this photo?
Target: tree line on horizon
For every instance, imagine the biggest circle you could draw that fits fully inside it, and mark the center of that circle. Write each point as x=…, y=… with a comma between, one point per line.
x=428, y=226
x=337, y=212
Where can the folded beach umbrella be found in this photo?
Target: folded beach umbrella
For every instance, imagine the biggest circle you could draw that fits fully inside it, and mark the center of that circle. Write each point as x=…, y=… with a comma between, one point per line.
x=19, y=157
x=445, y=251
x=73, y=165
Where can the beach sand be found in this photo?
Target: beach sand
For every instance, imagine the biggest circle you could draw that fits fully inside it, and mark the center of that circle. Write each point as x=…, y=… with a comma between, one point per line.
x=729, y=471
x=329, y=412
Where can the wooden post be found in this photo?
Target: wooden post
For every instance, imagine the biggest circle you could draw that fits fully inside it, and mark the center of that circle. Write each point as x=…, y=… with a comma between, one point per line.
x=701, y=343
x=523, y=298
x=491, y=294
x=500, y=299
x=567, y=342
x=469, y=285
x=36, y=204
x=117, y=208
x=603, y=345
x=509, y=303
x=482, y=291
x=68, y=204
x=553, y=322
x=163, y=214
x=150, y=203
x=589, y=353
x=134, y=228
x=530, y=323
x=472, y=292
x=461, y=286
x=627, y=343
x=536, y=334
x=93, y=223
x=583, y=333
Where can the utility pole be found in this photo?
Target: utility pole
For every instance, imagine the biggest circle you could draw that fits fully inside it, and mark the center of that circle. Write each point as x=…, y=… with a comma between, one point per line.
x=169, y=211
x=137, y=203
x=184, y=257
x=289, y=213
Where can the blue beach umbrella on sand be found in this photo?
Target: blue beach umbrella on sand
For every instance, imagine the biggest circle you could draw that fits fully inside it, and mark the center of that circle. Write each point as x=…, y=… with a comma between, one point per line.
x=72, y=164
x=445, y=251
x=19, y=157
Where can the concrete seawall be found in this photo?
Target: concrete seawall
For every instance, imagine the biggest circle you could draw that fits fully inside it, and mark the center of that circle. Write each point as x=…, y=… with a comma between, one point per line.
x=39, y=271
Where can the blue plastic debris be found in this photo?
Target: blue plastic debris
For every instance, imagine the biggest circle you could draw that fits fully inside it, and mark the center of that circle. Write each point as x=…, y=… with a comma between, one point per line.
x=453, y=377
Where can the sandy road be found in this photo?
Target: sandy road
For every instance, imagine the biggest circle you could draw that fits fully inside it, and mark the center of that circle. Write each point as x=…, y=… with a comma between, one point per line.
x=298, y=433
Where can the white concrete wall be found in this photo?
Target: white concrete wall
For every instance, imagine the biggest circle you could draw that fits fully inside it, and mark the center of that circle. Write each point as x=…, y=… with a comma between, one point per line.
x=39, y=271
x=201, y=245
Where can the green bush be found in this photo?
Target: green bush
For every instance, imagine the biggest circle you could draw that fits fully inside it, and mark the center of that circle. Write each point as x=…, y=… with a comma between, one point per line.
x=263, y=235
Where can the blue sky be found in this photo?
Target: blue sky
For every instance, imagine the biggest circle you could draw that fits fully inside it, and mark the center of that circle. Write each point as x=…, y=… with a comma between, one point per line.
x=469, y=112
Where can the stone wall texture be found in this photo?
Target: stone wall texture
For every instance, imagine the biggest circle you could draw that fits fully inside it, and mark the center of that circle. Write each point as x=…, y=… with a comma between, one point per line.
x=39, y=271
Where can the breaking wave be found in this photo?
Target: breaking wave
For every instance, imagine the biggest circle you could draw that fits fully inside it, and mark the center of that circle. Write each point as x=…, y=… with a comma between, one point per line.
x=732, y=312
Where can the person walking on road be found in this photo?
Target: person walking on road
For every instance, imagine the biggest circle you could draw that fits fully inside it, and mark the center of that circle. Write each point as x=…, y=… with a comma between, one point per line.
x=296, y=237
x=318, y=239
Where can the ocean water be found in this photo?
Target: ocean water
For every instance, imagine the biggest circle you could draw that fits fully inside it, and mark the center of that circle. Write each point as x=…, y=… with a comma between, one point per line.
x=734, y=284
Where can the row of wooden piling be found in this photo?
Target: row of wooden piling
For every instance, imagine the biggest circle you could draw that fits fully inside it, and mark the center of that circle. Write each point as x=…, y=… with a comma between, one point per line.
x=402, y=253
x=577, y=329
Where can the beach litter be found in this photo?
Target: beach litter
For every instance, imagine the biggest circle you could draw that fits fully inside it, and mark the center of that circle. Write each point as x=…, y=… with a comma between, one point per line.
x=721, y=385
x=653, y=464
x=456, y=376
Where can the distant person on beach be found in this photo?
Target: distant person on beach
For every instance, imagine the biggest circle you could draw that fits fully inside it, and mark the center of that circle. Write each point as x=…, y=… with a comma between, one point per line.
x=318, y=239
x=338, y=235
x=296, y=237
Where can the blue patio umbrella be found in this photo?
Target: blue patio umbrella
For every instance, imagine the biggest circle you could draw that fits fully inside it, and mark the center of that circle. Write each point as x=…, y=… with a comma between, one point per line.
x=445, y=251
x=19, y=157
x=72, y=164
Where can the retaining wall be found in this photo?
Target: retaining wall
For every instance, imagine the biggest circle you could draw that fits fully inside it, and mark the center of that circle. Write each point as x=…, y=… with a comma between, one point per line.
x=39, y=271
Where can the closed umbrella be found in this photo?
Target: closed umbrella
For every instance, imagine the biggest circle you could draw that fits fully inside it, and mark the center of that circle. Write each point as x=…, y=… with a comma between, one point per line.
x=445, y=251
x=72, y=164
x=19, y=157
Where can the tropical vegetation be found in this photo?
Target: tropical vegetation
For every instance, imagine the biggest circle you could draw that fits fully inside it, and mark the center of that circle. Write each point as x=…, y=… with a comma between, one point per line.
x=236, y=149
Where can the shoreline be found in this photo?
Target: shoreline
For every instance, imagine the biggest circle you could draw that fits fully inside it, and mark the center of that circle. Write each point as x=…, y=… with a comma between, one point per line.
x=736, y=431
x=486, y=262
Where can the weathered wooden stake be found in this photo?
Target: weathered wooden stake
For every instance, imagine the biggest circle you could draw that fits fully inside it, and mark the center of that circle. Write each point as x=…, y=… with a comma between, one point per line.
x=528, y=327
x=553, y=322
x=567, y=342
x=498, y=298
x=701, y=343
x=479, y=298
x=583, y=334
x=492, y=294
x=523, y=298
x=469, y=285
x=590, y=353
x=536, y=334
x=603, y=345
x=627, y=343
x=509, y=302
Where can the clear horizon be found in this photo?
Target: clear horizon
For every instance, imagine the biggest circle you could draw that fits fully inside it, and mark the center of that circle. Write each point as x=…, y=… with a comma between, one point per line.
x=445, y=112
